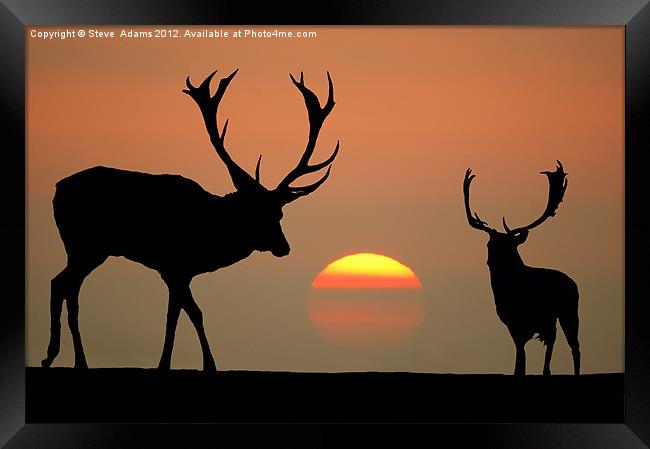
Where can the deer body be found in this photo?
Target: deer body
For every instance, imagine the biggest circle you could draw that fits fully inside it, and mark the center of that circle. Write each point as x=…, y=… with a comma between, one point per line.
x=530, y=300
x=165, y=222
x=524, y=299
x=172, y=225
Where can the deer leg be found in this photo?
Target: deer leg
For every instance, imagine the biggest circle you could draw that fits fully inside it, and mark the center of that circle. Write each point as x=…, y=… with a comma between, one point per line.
x=196, y=316
x=520, y=358
x=57, y=296
x=73, y=324
x=66, y=286
x=570, y=327
x=575, y=352
x=77, y=276
x=173, y=311
x=550, y=342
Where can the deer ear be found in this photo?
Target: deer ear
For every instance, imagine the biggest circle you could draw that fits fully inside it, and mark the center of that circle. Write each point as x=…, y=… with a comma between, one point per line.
x=521, y=237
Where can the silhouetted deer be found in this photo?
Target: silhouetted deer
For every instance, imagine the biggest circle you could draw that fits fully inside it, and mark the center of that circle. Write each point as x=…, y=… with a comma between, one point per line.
x=530, y=300
x=170, y=224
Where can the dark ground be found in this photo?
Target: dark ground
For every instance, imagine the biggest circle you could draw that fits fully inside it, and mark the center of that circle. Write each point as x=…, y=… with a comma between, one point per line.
x=146, y=395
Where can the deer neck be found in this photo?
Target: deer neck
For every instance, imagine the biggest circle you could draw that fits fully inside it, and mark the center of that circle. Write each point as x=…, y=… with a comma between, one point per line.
x=503, y=270
x=234, y=215
x=505, y=265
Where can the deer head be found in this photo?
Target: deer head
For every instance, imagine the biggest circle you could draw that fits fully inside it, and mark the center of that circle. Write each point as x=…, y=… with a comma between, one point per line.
x=263, y=207
x=502, y=247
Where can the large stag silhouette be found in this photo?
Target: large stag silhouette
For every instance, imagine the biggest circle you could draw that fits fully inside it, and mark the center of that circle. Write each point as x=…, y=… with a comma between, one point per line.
x=170, y=224
x=530, y=300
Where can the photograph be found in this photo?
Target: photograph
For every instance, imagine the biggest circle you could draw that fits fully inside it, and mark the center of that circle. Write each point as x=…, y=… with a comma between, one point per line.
x=388, y=223
x=258, y=203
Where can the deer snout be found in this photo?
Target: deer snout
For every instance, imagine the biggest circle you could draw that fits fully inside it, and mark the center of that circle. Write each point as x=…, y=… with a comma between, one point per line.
x=282, y=250
x=281, y=247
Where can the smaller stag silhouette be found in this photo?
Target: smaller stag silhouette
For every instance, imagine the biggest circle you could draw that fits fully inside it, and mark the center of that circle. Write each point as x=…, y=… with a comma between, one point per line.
x=170, y=224
x=530, y=300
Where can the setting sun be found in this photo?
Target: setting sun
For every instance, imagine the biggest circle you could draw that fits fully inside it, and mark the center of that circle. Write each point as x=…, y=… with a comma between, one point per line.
x=366, y=300
x=366, y=270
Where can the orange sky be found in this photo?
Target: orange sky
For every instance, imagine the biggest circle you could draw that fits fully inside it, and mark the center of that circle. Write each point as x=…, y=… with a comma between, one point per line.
x=415, y=107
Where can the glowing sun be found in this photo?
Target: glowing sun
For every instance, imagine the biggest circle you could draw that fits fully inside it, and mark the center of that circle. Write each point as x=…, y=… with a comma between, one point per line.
x=366, y=299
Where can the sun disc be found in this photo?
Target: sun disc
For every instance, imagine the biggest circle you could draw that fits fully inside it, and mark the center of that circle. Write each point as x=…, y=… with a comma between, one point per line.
x=366, y=299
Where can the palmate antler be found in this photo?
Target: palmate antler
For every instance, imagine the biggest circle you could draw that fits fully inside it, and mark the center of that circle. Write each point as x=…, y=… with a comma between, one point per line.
x=557, y=184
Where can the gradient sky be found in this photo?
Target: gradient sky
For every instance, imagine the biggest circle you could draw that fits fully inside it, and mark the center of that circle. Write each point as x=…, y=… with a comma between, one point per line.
x=415, y=106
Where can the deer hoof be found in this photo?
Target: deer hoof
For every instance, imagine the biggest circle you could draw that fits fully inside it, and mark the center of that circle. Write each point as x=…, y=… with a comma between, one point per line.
x=209, y=368
x=81, y=365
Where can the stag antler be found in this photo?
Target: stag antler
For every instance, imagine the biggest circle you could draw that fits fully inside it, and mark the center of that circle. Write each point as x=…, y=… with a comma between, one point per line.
x=209, y=106
x=474, y=221
x=557, y=184
x=317, y=116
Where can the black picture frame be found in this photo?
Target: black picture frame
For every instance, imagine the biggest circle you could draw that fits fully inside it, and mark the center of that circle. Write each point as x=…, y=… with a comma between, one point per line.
x=16, y=15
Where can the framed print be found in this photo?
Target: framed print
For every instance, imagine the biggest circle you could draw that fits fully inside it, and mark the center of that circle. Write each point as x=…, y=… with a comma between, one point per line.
x=425, y=216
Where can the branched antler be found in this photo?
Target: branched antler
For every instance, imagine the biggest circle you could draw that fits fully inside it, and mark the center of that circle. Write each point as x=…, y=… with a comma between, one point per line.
x=317, y=116
x=209, y=106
